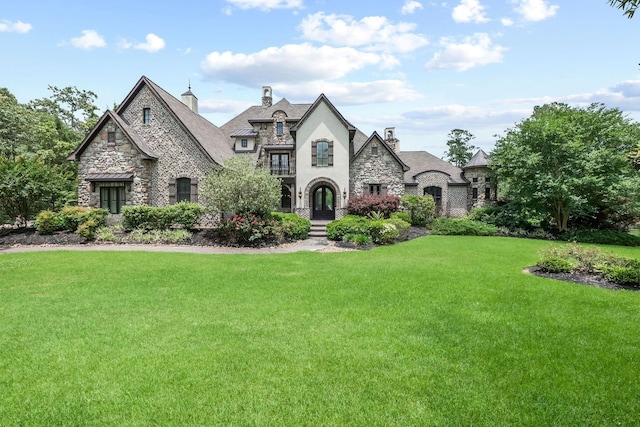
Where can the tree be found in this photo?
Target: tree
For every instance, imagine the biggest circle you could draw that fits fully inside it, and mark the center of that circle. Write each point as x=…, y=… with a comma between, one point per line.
x=73, y=106
x=241, y=187
x=460, y=151
x=628, y=6
x=570, y=164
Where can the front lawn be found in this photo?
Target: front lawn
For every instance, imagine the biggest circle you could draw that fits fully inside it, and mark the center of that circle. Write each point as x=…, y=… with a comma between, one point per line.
x=437, y=331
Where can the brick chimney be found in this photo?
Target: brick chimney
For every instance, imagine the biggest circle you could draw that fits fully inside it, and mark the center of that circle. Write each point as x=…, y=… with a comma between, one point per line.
x=391, y=140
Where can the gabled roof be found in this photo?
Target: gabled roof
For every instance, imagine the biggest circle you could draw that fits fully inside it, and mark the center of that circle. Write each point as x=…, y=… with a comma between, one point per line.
x=142, y=147
x=293, y=111
x=373, y=136
x=208, y=136
x=323, y=99
x=421, y=161
x=479, y=160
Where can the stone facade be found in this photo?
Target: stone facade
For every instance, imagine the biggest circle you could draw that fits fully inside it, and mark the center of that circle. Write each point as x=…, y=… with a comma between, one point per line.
x=480, y=186
x=375, y=164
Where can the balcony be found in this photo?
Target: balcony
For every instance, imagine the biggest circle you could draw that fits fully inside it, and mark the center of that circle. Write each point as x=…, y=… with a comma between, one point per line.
x=283, y=170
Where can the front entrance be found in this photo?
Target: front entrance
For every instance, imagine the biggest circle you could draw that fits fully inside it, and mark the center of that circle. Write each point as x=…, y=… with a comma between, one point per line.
x=324, y=203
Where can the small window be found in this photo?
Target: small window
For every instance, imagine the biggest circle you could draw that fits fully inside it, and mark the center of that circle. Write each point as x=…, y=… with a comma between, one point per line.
x=112, y=199
x=183, y=186
x=244, y=143
x=279, y=128
x=374, y=150
x=111, y=136
x=487, y=179
x=475, y=179
x=375, y=189
x=474, y=193
x=487, y=193
x=146, y=116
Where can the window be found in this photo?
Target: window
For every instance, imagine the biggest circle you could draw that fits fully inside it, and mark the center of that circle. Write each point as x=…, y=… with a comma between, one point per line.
x=111, y=136
x=322, y=153
x=487, y=179
x=183, y=190
x=244, y=143
x=285, y=199
x=146, y=116
x=280, y=164
x=436, y=193
x=375, y=189
x=112, y=198
x=279, y=128
x=487, y=193
x=374, y=150
x=475, y=179
x=474, y=193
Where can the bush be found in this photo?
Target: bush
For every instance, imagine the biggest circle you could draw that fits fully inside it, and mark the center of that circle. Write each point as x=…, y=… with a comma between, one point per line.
x=555, y=264
x=364, y=205
x=291, y=226
x=421, y=210
x=357, y=239
x=47, y=222
x=349, y=224
x=462, y=227
x=87, y=229
x=603, y=237
x=244, y=229
x=184, y=214
x=401, y=215
x=158, y=236
x=383, y=232
x=623, y=275
x=403, y=228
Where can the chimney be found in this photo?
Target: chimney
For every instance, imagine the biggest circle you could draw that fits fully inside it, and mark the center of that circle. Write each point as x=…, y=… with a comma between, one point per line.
x=190, y=100
x=391, y=140
x=267, y=99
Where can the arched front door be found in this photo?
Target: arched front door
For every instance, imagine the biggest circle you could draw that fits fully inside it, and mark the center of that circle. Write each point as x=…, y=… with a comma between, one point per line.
x=324, y=203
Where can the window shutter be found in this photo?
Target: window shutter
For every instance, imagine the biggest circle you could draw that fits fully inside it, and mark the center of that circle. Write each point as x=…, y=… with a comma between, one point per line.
x=366, y=189
x=194, y=190
x=383, y=190
x=314, y=153
x=172, y=191
x=330, y=163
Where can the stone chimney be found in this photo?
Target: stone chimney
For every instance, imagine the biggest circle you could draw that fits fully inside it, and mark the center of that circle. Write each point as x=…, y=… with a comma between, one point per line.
x=190, y=100
x=267, y=99
x=391, y=140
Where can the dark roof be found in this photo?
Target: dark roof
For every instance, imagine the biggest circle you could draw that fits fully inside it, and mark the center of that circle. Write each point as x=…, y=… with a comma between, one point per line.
x=109, y=177
x=244, y=132
x=479, y=160
x=421, y=161
x=209, y=137
x=373, y=136
x=146, y=152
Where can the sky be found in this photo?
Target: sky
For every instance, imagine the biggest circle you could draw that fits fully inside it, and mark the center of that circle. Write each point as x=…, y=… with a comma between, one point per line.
x=423, y=67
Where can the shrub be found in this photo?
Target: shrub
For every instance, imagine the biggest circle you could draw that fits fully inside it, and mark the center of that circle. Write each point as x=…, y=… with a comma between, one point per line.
x=185, y=214
x=47, y=222
x=87, y=229
x=364, y=205
x=623, y=275
x=401, y=215
x=357, y=239
x=243, y=229
x=555, y=264
x=383, y=232
x=603, y=237
x=72, y=217
x=420, y=209
x=349, y=224
x=157, y=236
x=403, y=228
x=291, y=226
x=106, y=234
x=462, y=227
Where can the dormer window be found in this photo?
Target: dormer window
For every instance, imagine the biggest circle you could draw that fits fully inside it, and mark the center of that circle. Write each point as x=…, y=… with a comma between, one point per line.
x=279, y=128
x=146, y=116
x=244, y=143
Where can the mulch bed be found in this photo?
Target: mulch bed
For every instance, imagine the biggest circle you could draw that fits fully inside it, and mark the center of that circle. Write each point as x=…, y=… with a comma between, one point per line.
x=581, y=278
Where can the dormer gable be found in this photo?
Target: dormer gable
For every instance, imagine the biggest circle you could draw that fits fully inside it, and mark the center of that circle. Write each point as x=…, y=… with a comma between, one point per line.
x=373, y=145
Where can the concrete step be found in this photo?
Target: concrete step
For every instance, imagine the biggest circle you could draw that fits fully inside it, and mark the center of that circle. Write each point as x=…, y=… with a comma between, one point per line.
x=318, y=228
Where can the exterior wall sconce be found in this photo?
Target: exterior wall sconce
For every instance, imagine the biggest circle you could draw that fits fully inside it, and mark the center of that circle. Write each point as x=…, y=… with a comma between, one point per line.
x=300, y=193
x=344, y=193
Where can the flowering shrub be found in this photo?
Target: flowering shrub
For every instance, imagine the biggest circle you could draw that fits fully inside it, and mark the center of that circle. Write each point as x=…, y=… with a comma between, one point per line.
x=364, y=205
x=383, y=232
x=243, y=229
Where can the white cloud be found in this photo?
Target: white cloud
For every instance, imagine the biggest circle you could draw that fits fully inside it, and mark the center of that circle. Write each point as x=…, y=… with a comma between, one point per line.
x=222, y=106
x=88, y=40
x=373, y=33
x=507, y=22
x=153, y=44
x=535, y=10
x=472, y=52
x=290, y=63
x=266, y=4
x=14, y=27
x=350, y=93
x=410, y=6
x=469, y=11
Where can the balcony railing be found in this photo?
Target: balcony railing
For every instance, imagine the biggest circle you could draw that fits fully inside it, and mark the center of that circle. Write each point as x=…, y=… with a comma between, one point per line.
x=283, y=170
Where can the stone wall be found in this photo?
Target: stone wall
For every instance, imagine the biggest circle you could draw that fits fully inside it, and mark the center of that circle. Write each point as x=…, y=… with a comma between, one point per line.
x=457, y=201
x=371, y=168
x=436, y=179
x=480, y=179
x=178, y=155
x=121, y=156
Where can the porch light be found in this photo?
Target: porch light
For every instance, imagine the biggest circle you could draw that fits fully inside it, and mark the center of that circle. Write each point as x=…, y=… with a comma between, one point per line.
x=344, y=193
x=300, y=193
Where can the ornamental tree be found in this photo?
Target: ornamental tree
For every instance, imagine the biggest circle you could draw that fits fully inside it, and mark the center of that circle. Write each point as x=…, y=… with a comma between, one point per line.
x=571, y=165
x=241, y=187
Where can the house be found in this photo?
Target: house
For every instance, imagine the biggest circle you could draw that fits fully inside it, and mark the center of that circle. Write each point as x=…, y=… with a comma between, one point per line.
x=154, y=149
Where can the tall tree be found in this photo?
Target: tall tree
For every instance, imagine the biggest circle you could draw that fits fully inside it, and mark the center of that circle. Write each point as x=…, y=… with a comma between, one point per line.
x=460, y=151
x=628, y=6
x=570, y=164
x=73, y=106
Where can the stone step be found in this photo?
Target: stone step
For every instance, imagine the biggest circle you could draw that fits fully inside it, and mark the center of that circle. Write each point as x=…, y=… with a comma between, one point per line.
x=318, y=228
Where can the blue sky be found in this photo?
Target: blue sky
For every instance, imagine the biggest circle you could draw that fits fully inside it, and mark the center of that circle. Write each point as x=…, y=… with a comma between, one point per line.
x=423, y=67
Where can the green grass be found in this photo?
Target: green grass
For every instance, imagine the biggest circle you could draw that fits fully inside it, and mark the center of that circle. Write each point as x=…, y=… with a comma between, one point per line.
x=438, y=331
